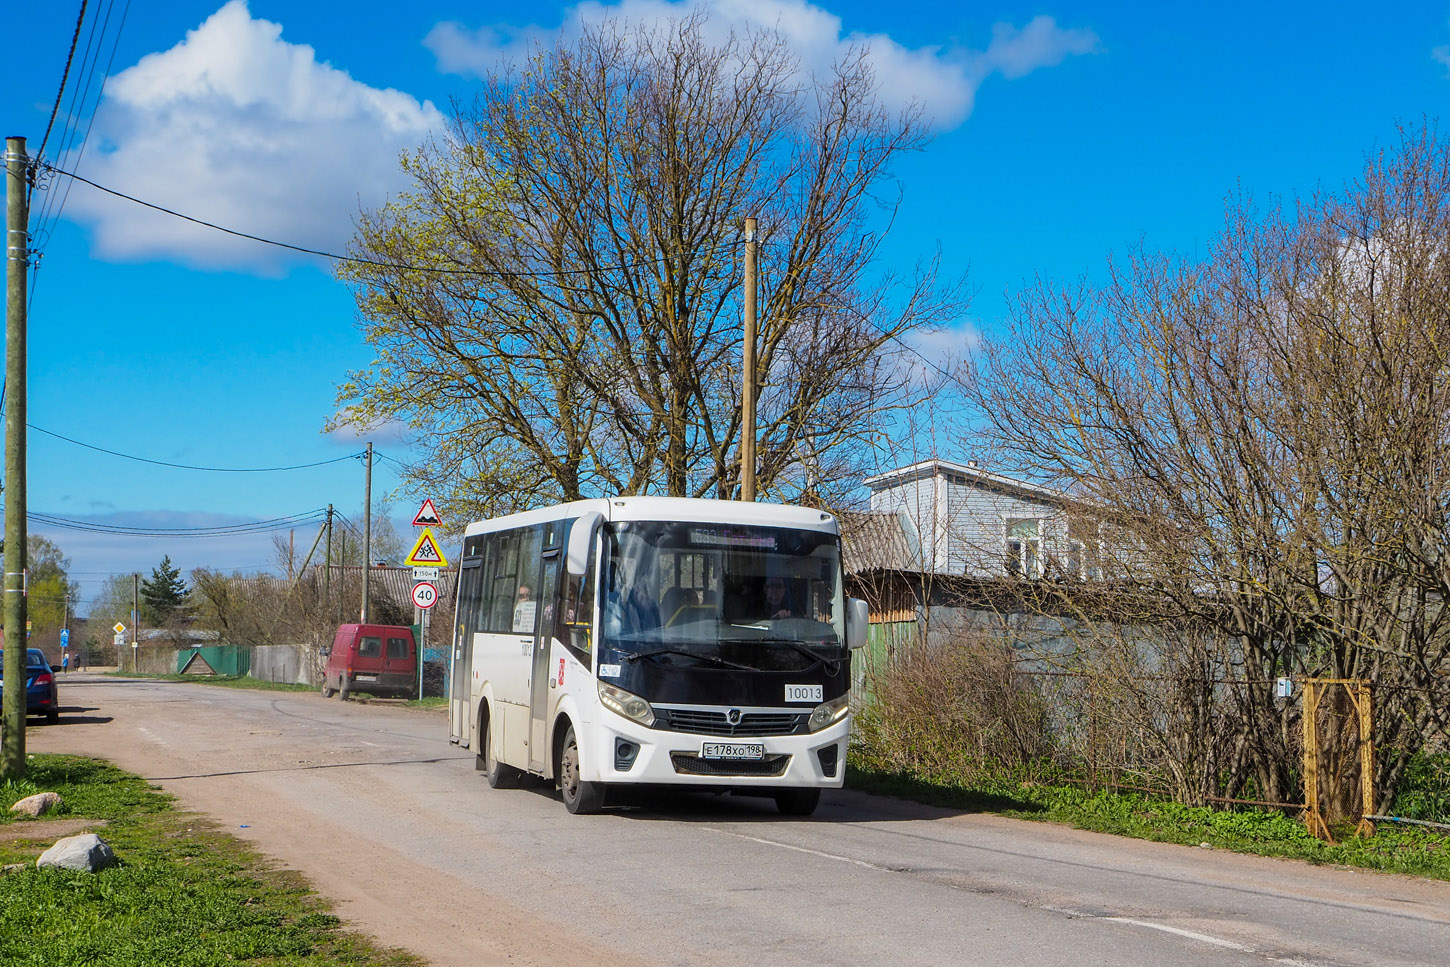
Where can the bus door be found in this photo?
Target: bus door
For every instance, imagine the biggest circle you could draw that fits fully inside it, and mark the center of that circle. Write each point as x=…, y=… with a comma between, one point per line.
x=543, y=673
x=465, y=621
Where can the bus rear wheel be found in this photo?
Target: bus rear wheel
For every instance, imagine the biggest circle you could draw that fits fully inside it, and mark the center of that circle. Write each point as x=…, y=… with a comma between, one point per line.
x=797, y=802
x=499, y=775
x=580, y=797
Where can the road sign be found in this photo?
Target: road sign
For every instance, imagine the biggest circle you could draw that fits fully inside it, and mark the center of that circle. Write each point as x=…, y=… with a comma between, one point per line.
x=119, y=640
x=425, y=573
x=425, y=553
x=427, y=515
x=425, y=595
x=118, y=628
x=64, y=637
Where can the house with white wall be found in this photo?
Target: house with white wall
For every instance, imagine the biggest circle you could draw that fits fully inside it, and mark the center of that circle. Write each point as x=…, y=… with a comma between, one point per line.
x=968, y=521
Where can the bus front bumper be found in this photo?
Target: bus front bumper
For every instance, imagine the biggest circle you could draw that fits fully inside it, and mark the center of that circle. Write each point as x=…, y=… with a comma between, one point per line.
x=625, y=752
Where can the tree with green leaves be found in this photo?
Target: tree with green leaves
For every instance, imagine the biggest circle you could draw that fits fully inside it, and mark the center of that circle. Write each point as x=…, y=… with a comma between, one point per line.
x=163, y=594
x=556, y=306
x=52, y=592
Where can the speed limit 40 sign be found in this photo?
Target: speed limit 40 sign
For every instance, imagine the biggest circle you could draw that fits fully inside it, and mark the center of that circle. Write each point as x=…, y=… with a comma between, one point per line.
x=425, y=594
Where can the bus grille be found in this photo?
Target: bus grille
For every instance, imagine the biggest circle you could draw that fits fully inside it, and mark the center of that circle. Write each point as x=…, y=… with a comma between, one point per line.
x=689, y=764
x=699, y=722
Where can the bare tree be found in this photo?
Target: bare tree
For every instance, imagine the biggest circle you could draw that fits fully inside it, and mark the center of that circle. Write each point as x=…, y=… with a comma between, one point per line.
x=556, y=305
x=1262, y=439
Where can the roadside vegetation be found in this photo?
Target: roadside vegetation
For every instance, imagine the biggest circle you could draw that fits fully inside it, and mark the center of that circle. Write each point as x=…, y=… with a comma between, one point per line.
x=184, y=893
x=966, y=728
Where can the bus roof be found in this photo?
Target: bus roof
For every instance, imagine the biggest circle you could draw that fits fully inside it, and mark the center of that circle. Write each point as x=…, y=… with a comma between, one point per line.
x=674, y=509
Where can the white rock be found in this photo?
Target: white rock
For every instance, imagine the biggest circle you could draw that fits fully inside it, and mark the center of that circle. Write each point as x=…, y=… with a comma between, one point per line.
x=87, y=852
x=38, y=804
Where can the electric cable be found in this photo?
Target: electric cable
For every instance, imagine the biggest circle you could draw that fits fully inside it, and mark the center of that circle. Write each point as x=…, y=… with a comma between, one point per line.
x=433, y=270
x=64, y=76
x=221, y=530
x=183, y=466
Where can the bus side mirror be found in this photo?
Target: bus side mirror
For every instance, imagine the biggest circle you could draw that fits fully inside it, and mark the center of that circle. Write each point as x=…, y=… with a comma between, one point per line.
x=581, y=537
x=858, y=620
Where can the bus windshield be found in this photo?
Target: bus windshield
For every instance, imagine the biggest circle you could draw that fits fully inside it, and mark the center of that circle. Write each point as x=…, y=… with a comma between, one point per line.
x=729, y=595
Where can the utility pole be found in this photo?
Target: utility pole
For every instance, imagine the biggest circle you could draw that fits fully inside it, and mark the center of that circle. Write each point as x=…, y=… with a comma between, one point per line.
x=367, y=531
x=135, y=621
x=327, y=571
x=17, y=261
x=747, y=397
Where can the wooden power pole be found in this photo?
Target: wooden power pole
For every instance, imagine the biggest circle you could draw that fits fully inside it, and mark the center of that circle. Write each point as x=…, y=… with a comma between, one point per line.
x=17, y=261
x=747, y=396
x=367, y=532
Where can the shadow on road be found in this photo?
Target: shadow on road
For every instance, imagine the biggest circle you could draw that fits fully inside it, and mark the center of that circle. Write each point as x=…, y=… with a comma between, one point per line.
x=307, y=767
x=76, y=716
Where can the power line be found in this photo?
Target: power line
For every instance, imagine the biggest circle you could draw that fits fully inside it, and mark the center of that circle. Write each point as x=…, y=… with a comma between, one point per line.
x=64, y=76
x=434, y=270
x=183, y=466
x=222, y=530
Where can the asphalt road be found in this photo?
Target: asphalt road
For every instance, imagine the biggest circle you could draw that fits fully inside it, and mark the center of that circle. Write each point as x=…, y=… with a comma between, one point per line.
x=383, y=815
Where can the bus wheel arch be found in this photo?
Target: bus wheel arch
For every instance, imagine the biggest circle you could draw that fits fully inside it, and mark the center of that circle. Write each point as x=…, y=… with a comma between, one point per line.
x=498, y=774
x=580, y=795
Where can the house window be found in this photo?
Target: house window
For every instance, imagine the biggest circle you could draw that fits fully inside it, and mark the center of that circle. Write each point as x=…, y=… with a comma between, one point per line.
x=1024, y=548
x=1082, y=549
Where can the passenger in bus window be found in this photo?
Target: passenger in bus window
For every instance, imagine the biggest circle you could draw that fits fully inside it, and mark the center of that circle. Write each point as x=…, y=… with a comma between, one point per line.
x=524, y=606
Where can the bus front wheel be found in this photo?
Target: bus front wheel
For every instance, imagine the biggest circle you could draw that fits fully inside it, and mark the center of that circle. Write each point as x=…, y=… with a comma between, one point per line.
x=797, y=802
x=580, y=797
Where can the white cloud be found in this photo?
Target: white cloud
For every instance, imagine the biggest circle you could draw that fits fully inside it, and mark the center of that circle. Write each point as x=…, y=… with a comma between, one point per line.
x=238, y=127
x=943, y=79
x=1442, y=54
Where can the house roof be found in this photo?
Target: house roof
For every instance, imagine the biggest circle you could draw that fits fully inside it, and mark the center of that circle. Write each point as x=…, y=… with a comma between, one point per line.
x=969, y=473
x=873, y=541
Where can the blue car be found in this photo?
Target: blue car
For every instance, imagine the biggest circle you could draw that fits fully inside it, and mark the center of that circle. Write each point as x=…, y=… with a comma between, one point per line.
x=40, y=692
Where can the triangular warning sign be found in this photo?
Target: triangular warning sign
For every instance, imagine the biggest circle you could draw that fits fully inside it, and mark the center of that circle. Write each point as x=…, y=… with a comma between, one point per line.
x=427, y=515
x=425, y=553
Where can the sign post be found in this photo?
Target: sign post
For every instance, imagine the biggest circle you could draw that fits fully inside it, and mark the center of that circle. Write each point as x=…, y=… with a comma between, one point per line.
x=427, y=561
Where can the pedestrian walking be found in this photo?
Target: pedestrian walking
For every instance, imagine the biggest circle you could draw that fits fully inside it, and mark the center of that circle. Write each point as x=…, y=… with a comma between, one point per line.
x=65, y=662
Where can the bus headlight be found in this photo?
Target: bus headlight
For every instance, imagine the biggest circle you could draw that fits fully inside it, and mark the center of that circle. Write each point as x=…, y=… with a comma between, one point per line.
x=829, y=713
x=628, y=704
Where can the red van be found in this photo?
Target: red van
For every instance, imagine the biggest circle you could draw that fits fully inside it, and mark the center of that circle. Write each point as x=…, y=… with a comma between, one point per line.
x=376, y=659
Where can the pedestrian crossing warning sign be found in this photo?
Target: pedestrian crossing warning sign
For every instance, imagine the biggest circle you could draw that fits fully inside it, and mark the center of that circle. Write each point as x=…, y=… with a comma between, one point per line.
x=425, y=553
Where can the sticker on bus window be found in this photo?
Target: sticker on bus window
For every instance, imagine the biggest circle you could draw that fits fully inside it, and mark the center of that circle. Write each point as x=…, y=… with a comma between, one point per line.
x=561, y=671
x=610, y=671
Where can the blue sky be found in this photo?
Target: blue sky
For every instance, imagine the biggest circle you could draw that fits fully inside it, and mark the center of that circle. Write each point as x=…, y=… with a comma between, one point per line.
x=1065, y=132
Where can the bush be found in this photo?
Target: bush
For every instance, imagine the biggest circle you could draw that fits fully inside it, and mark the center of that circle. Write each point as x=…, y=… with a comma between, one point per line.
x=953, y=714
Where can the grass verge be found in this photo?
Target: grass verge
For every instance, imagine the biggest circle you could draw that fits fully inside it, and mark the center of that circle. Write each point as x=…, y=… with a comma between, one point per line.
x=184, y=893
x=1393, y=849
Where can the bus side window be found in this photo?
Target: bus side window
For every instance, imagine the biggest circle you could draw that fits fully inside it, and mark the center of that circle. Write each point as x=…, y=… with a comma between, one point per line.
x=575, y=623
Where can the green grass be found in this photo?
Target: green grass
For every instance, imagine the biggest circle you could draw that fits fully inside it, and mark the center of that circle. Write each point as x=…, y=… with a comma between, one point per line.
x=1395, y=849
x=184, y=893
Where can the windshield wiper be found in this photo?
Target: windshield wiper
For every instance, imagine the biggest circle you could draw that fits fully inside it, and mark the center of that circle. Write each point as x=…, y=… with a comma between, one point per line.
x=715, y=659
x=799, y=648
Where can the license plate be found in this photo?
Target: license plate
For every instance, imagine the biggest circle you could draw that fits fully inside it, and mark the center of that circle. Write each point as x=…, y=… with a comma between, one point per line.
x=732, y=750
x=365, y=678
